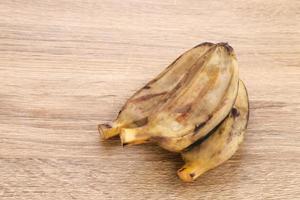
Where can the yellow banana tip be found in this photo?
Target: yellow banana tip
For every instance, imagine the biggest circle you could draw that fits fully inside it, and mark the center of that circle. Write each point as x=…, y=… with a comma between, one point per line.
x=185, y=176
x=191, y=171
x=106, y=131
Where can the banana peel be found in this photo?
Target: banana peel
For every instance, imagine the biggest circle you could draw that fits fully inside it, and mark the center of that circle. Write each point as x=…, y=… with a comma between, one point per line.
x=145, y=101
x=206, y=95
x=221, y=143
x=197, y=106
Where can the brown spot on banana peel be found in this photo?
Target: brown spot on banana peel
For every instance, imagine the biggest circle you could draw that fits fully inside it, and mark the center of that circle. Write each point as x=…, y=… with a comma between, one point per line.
x=141, y=122
x=184, y=109
x=184, y=112
x=119, y=112
x=181, y=169
x=146, y=87
x=198, y=126
x=192, y=175
x=181, y=118
x=235, y=112
x=216, y=153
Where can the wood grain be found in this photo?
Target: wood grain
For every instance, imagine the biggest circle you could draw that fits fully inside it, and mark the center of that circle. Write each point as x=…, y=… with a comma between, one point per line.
x=66, y=66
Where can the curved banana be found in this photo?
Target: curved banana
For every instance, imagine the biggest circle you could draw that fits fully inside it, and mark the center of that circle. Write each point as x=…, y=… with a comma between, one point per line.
x=221, y=143
x=206, y=96
x=136, y=110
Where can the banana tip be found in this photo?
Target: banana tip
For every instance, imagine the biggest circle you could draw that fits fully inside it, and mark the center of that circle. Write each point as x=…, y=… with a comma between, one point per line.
x=102, y=128
x=106, y=131
x=228, y=48
x=185, y=176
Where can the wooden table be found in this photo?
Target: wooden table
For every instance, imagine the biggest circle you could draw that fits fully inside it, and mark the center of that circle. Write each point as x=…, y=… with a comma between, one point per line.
x=67, y=65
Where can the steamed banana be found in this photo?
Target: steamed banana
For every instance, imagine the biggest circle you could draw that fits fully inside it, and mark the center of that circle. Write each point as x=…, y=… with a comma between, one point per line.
x=197, y=106
x=221, y=143
x=143, y=103
x=202, y=98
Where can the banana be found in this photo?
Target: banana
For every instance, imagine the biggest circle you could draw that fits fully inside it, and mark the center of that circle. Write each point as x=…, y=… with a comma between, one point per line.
x=136, y=110
x=221, y=143
x=205, y=96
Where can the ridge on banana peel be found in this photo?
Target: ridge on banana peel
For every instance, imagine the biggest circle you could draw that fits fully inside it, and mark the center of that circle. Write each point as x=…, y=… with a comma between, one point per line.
x=207, y=93
x=221, y=143
x=155, y=93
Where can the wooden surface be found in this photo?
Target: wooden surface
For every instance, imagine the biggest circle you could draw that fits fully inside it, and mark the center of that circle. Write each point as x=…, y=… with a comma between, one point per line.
x=66, y=66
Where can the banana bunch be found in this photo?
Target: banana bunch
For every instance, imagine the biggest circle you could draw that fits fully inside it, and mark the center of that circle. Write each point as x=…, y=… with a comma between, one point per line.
x=197, y=106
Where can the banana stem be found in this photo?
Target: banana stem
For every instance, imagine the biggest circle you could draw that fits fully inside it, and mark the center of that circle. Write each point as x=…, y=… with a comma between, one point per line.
x=191, y=171
x=106, y=131
x=134, y=136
